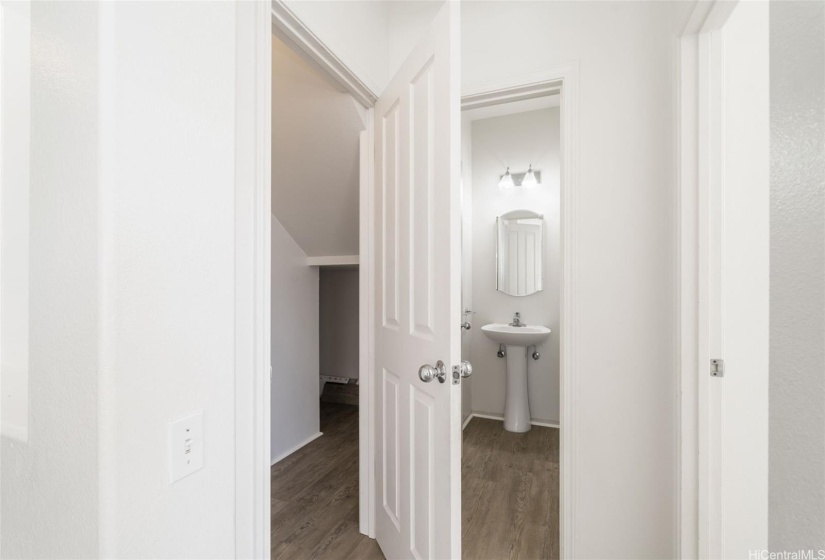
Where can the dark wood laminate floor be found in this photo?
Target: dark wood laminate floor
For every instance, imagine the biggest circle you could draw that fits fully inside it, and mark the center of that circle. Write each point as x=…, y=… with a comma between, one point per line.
x=510, y=494
x=315, y=495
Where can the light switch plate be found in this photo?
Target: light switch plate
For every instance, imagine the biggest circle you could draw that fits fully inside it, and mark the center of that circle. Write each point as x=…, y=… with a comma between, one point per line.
x=185, y=446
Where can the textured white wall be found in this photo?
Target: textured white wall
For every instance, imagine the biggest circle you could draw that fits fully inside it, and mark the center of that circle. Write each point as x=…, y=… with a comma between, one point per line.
x=516, y=141
x=294, y=413
x=797, y=347
x=626, y=250
x=339, y=322
x=49, y=484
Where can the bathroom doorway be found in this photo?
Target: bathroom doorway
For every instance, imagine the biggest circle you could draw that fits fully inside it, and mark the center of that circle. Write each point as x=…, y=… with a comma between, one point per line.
x=511, y=307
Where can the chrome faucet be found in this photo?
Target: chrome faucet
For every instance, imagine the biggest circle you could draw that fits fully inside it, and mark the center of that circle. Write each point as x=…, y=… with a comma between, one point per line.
x=517, y=321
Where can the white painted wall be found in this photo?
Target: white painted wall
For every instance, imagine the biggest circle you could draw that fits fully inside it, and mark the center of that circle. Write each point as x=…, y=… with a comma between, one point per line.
x=626, y=506
x=49, y=483
x=168, y=165
x=338, y=296
x=132, y=283
x=797, y=347
x=517, y=141
x=315, y=131
x=295, y=406
x=407, y=20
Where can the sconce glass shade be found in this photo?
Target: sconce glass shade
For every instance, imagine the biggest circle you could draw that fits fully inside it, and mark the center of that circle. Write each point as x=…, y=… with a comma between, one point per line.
x=506, y=182
x=529, y=180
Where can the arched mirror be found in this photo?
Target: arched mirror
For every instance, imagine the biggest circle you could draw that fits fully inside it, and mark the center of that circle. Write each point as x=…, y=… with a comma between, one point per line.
x=520, y=236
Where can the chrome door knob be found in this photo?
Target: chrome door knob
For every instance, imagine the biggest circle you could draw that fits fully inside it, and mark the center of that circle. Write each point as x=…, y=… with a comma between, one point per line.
x=466, y=369
x=427, y=372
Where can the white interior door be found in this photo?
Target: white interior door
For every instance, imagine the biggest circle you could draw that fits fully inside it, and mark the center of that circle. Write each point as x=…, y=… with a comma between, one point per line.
x=418, y=289
x=734, y=406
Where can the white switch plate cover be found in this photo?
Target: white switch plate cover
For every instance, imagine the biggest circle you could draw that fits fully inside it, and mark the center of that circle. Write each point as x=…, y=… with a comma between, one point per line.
x=185, y=446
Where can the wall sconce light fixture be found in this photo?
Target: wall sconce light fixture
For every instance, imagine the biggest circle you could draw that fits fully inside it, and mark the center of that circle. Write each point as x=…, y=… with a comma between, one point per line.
x=530, y=179
x=527, y=180
x=506, y=182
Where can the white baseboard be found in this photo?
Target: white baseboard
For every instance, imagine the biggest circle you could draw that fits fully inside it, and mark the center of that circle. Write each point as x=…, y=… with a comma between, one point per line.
x=500, y=418
x=342, y=379
x=347, y=260
x=289, y=452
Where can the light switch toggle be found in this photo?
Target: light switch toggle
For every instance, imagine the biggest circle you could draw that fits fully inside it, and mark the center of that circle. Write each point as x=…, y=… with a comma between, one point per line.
x=185, y=448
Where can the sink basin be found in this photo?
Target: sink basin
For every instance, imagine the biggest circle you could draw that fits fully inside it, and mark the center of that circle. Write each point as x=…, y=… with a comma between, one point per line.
x=516, y=339
x=516, y=336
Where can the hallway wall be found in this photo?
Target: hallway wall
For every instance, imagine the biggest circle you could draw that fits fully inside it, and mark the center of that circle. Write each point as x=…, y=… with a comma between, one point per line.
x=131, y=283
x=167, y=271
x=135, y=144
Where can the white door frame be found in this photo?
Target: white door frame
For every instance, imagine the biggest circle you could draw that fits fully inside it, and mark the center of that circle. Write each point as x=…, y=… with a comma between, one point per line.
x=289, y=27
x=699, y=138
x=253, y=203
x=253, y=139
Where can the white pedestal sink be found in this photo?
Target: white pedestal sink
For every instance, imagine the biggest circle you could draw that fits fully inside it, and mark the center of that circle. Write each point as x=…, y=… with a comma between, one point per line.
x=516, y=339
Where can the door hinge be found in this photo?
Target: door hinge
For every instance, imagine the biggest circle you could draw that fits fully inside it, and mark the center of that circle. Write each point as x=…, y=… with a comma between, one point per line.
x=717, y=368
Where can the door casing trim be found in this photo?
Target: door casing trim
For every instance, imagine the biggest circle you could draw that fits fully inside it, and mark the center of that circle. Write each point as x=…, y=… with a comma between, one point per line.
x=287, y=26
x=697, y=109
x=253, y=140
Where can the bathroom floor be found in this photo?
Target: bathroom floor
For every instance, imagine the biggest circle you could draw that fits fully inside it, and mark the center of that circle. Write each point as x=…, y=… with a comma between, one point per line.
x=509, y=492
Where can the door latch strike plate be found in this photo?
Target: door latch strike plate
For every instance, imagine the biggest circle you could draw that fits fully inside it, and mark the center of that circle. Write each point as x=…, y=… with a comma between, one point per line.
x=456, y=375
x=717, y=368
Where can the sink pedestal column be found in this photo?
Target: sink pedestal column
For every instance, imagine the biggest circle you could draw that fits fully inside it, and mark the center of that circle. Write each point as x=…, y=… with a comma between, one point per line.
x=516, y=404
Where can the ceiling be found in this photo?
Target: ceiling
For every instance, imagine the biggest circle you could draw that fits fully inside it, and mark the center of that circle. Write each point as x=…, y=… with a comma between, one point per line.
x=315, y=137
